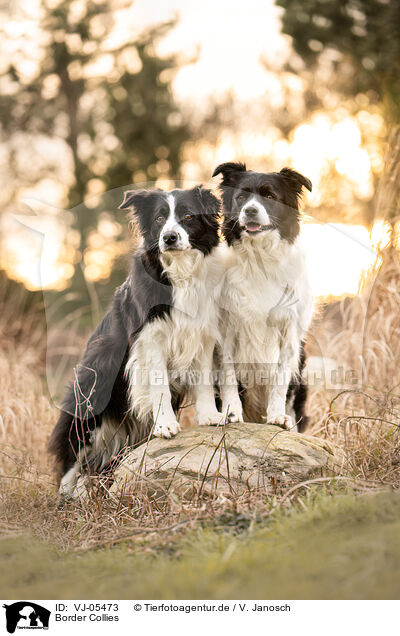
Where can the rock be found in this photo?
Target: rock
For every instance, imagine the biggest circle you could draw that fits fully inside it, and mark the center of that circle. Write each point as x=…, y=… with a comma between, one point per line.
x=226, y=460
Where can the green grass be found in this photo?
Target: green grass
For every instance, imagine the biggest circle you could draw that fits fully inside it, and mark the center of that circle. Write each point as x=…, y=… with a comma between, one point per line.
x=341, y=547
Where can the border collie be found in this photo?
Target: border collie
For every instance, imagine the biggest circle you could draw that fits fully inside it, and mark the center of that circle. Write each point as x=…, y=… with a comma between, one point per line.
x=267, y=301
x=156, y=340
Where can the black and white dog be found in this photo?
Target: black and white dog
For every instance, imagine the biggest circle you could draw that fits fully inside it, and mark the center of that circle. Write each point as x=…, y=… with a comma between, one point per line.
x=267, y=301
x=154, y=343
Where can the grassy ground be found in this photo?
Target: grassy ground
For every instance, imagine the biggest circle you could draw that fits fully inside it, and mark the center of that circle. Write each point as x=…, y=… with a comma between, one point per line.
x=341, y=547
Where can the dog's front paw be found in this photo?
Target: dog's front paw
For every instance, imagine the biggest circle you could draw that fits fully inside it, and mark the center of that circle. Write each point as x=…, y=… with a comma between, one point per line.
x=233, y=413
x=285, y=421
x=208, y=418
x=166, y=428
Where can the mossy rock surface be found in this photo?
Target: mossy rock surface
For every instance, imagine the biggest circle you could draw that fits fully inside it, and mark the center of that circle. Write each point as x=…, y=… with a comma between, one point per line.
x=227, y=460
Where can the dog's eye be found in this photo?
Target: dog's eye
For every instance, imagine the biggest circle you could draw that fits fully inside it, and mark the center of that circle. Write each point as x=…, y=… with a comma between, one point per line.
x=188, y=217
x=160, y=219
x=241, y=197
x=268, y=196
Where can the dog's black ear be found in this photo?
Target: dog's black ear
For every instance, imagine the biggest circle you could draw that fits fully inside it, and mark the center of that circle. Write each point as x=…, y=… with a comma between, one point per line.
x=211, y=206
x=230, y=171
x=209, y=201
x=133, y=199
x=296, y=179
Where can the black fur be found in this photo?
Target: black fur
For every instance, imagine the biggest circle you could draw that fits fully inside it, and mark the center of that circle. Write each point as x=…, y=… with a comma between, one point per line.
x=297, y=394
x=100, y=388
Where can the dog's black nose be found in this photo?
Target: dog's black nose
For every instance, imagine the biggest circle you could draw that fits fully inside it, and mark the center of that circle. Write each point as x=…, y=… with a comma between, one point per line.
x=251, y=211
x=170, y=238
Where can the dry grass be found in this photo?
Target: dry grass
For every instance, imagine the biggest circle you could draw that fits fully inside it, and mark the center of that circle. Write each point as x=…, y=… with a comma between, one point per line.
x=25, y=412
x=363, y=416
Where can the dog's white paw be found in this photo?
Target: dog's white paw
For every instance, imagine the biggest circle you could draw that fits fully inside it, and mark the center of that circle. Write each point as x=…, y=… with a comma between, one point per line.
x=208, y=418
x=285, y=421
x=166, y=428
x=233, y=413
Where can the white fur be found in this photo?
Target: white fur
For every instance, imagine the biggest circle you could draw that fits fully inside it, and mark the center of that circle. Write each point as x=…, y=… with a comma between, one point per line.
x=178, y=347
x=266, y=311
x=69, y=481
x=172, y=225
x=262, y=215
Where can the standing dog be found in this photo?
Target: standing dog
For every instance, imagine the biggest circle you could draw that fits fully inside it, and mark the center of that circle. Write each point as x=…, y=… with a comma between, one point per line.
x=157, y=338
x=267, y=302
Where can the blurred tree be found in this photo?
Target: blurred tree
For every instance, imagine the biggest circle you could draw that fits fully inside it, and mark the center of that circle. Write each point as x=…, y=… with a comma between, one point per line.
x=109, y=101
x=360, y=39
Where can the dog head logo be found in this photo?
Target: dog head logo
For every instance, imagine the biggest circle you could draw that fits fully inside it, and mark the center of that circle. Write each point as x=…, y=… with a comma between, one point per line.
x=26, y=615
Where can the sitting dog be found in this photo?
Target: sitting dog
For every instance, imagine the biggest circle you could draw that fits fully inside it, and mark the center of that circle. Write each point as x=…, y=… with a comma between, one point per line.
x=266, y=301
x=159, y=333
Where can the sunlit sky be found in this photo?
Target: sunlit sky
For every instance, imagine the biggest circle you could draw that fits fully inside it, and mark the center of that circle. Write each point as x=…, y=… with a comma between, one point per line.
x=229, y=40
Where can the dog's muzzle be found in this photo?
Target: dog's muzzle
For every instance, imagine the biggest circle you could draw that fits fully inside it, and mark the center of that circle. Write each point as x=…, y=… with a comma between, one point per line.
x=251, y=221
x=172, y=240
x=254, y=220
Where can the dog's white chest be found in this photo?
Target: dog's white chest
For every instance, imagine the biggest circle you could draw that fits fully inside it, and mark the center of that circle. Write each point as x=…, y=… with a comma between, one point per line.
x=261, y=297
x=256, y=320
x=192, y=318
